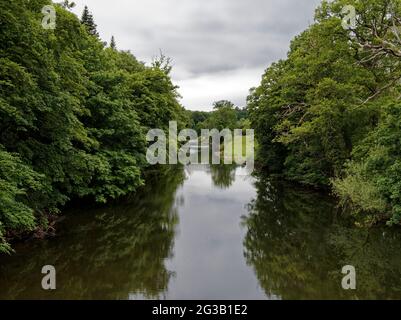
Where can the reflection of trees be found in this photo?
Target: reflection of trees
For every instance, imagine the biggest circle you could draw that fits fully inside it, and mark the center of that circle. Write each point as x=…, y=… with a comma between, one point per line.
x=104, y=253
x=298, y=247
x=223, y=175
x=377, y=256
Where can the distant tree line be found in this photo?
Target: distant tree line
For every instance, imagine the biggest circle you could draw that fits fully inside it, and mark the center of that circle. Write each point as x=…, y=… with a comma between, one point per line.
x=225, y=115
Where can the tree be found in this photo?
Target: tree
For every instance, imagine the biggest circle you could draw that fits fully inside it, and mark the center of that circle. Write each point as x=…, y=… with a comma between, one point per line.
x=73, y=118
x=66, y=4
x=88, y=21
x=223, y=117
x=223, y=104
x=304, y=109
x=370, y=182
x=328, y=115
x=163, y=62
x=113, y=43
x=376, y=37
x=16, y=181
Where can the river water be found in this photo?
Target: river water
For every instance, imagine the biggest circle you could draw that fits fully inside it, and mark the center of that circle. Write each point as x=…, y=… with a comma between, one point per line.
x=208, y=232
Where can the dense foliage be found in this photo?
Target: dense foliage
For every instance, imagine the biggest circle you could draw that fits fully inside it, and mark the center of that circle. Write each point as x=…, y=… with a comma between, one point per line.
x=73, y=115
x=225, y=115
x=330, y=114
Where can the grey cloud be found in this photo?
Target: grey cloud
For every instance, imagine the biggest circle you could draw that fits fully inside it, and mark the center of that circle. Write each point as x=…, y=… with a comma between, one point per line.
x=204, y=38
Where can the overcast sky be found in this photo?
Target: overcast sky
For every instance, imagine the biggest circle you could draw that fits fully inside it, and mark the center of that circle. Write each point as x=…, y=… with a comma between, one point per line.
x=219, y=48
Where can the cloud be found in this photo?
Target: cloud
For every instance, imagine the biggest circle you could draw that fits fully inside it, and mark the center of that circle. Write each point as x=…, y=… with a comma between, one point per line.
x=220, y=48
x=202, y=90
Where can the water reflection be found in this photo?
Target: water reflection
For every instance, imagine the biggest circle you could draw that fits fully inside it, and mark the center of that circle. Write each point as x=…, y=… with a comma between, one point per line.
x=298, y=243
x=209, y=232
x=109, y=253
x=223, y=176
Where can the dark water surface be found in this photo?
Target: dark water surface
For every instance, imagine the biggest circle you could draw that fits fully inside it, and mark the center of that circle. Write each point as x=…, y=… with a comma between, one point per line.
x=208, y=233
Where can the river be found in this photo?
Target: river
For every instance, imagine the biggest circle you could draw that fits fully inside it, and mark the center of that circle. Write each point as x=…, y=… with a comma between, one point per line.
x=208, y=232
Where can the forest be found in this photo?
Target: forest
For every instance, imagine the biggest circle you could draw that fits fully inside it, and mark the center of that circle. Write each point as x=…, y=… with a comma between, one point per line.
x=329, y=115
x=74, y=112
x=73, y=116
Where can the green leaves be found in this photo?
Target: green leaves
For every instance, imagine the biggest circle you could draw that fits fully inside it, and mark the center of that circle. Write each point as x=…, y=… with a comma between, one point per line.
x=73, y=115
x=376, y=164
x=324, y=105
x=225, y=115
x=17, y=180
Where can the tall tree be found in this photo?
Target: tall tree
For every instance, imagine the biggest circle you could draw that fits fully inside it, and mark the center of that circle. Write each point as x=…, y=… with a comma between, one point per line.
x=89, y=22
x=113, y=44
